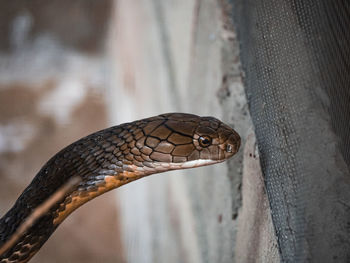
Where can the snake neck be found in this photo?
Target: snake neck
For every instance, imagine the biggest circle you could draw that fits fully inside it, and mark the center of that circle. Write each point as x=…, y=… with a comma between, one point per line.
x=42, y=229
x=88, y=158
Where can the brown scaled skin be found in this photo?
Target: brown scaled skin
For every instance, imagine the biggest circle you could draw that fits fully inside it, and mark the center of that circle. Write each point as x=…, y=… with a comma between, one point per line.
x=110, y=158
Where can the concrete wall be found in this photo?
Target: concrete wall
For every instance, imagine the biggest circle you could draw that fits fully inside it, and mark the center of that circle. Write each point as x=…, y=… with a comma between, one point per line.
x=183, y=56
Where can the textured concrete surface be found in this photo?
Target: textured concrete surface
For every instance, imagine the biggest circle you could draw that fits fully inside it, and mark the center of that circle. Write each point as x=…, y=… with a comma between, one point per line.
x=299, y=99
x=256, y=241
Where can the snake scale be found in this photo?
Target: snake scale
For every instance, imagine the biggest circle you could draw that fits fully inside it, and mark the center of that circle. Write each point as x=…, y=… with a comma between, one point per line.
x=108, y=159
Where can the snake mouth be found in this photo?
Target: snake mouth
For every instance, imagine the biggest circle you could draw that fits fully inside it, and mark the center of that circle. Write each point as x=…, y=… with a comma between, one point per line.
x=166, y=166
x=197, y=163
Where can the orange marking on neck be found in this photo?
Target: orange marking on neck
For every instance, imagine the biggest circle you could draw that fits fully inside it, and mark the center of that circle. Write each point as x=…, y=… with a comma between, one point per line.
x=81, y=197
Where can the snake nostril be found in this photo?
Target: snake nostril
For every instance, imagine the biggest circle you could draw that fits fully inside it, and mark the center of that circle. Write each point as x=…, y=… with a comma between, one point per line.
x=229, y=148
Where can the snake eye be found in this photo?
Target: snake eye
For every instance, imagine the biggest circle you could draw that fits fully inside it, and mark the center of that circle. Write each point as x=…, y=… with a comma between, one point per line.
x=204, y=141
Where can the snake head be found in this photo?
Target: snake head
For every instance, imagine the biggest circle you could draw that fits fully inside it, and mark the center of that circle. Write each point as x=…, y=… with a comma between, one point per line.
x=178, y=140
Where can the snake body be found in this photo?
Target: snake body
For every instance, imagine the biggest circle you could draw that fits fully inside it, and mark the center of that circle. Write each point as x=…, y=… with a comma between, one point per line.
x=108, y=159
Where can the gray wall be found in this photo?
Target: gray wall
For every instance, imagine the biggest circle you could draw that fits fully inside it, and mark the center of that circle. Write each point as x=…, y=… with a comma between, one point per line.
x=183, y=56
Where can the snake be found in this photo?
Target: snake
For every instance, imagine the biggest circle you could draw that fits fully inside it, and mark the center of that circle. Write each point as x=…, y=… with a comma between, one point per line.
x=108, y=159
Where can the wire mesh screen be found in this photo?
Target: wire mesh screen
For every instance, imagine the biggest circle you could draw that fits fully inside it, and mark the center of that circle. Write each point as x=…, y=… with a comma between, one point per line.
x=296, y=60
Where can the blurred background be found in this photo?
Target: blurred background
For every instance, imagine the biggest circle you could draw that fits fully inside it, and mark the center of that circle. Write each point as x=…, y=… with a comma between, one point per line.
x=69, y=68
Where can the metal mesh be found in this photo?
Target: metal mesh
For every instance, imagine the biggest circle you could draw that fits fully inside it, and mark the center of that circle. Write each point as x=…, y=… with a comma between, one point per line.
x=296, y=60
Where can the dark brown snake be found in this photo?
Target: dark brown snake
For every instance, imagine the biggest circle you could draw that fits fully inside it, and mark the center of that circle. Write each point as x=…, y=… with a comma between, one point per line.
x=108, y=159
